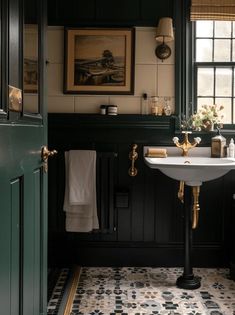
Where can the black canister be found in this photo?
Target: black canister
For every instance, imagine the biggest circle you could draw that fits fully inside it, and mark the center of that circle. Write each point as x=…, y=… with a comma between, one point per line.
x=103, y=109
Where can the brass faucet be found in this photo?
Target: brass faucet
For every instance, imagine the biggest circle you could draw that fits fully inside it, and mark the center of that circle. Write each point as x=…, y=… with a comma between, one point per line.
x=185, y=145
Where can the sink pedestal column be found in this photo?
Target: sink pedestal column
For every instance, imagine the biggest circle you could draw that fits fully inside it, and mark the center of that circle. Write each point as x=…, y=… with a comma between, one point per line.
x=188, y=280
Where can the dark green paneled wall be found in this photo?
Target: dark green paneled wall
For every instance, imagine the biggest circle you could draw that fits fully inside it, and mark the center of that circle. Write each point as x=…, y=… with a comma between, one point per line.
x=108, y=13
x=149, y=229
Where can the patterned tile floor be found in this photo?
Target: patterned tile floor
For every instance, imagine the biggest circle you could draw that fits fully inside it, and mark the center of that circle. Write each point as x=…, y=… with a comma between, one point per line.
x=56, y=295
x=151, y=291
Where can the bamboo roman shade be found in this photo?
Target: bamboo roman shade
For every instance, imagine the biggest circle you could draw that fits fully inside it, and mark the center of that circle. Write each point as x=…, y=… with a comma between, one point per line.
x=223, y=10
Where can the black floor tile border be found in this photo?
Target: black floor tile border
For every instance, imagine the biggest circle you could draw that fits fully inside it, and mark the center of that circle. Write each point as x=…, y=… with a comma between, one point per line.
x=63, y=296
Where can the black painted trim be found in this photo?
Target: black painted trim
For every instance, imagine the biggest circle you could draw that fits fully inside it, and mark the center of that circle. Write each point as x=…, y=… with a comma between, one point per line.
x=142, y=254
x=87, y=13
x=232, y=271
x=121, y=121
x=183, y=64
x=27, y=117
x=4, y=38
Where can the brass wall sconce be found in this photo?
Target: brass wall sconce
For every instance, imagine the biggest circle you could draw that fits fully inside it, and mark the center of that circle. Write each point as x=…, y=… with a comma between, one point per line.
x=164, y=34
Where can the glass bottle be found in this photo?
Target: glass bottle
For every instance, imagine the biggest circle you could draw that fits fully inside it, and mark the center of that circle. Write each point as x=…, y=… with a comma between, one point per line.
x=154, y=105
x=167, y=107
x=144, y=104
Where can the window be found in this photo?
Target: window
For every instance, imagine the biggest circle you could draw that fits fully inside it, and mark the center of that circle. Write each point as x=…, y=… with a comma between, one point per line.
x=214, y=65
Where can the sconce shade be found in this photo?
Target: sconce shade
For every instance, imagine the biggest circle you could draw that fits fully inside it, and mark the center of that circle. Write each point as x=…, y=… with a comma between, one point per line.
x=165, y=30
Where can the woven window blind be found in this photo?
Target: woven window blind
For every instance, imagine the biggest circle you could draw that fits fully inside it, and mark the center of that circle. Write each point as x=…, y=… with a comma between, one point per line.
x=223, y=10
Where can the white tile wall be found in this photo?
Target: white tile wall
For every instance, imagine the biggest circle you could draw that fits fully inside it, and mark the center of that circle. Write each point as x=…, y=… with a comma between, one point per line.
x=55, y=37
x=165, y=86
x=90, y=104
x=55, y=79
x=152, y=76
x=145, y=79
x=126, y=104
x=145, y=46
x=61, y=104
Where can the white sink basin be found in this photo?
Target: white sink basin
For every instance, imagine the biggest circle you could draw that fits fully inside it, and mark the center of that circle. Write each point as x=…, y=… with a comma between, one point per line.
x=194, y=169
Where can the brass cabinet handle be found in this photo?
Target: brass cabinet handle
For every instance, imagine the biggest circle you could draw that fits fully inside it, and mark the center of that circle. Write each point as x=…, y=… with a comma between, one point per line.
x=133, y=156
x=45, y=155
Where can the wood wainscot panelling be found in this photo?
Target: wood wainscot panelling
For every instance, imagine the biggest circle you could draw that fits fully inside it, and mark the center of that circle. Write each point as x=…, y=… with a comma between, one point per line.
x=16, y=244
x=108, y=13
x=147, y=215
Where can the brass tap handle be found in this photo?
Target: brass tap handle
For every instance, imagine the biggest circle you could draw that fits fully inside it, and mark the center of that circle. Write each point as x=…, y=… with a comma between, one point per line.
x=181, y=191
x=133, y=156
x=185, y=145
x=196, y=206
x=45, y=155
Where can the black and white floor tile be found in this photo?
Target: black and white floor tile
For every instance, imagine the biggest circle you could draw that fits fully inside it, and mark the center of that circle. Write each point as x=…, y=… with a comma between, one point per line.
x=56, y=294
x=151, y=291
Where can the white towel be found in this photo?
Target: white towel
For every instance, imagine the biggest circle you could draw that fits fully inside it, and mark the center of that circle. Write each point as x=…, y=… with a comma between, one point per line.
x=80, y=191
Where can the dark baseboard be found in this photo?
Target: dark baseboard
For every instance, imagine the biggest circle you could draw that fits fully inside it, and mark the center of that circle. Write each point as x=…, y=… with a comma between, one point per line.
x=140, y=256
x=232, y=270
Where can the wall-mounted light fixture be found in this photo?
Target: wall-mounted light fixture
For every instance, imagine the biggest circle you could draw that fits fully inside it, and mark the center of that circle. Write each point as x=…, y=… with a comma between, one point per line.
x=164, y=34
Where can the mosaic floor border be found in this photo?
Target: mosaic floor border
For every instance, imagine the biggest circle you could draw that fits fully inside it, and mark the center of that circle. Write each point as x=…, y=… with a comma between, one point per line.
x=149, y=291
x=57, y=294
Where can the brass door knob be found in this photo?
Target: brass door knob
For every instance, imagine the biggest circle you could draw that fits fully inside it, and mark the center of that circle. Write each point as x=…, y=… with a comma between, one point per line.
x=45, y=155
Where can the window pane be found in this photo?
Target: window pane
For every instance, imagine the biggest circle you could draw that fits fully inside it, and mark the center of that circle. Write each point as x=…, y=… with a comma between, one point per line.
x=233, y=111
x=234, y=49
x=31, y=69
x=203, y=50
x=223, y=29
x=223, y=82
x=204, y=29
x=227, y=103
x=204, y=101
x=222, y=50
x=215, y=84
x=205, y=79
x=234, y=82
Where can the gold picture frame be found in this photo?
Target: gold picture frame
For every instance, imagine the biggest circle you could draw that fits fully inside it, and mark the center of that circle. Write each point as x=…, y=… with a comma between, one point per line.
x=99, y=61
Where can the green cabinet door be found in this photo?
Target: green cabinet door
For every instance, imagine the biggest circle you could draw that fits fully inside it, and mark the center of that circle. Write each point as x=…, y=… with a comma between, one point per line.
x=23, y=181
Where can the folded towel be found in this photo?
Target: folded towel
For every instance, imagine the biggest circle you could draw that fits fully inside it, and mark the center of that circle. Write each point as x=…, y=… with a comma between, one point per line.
x=82, y=175
x=80, y=191
x=154, y=152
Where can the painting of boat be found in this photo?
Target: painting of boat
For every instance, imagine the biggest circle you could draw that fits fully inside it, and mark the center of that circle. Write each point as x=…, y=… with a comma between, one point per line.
x=106, y=70
x=99, y=61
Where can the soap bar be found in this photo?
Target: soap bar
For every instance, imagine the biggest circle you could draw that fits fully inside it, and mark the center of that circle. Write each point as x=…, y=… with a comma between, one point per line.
x=154, y=152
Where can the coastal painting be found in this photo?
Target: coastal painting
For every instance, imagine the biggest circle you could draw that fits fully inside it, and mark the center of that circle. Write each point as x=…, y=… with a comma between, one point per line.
x=99, y=61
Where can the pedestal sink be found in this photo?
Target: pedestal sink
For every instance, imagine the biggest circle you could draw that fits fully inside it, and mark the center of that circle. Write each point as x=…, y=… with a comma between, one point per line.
x=192, y=170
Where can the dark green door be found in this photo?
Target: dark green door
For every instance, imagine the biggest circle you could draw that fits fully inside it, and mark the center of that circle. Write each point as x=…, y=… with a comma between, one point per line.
x=23, y=182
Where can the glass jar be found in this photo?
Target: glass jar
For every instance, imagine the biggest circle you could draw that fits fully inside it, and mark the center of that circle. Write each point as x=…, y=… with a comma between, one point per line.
x=154, y=105
x=167, y=107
